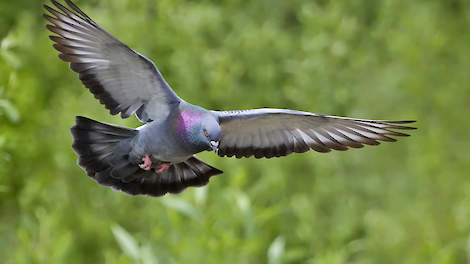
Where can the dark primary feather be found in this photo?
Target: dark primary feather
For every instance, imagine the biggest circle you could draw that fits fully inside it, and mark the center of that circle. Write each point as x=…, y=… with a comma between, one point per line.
x=120, y=78
x=276, y=132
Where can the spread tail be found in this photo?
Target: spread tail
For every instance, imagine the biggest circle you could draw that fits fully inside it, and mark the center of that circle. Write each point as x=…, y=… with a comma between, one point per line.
x=103, y=151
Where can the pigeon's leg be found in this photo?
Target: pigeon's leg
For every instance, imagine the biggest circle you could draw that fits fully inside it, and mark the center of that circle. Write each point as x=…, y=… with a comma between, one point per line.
x=162, y=167
x=147, y=163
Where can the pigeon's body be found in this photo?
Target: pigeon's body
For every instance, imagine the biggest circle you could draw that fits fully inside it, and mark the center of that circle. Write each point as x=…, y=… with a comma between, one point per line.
x=158, y=157
x=173, y=139
x=161, y=143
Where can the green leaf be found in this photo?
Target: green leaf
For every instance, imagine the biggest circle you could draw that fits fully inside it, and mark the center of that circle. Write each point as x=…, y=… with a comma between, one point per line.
x=147, y=255
x=126, y=242
x=181, y=206
x=11, y=58
x=276, y=250
x=10, y=111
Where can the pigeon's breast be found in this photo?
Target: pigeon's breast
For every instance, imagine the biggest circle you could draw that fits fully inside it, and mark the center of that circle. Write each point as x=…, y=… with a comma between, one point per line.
x=160, y=142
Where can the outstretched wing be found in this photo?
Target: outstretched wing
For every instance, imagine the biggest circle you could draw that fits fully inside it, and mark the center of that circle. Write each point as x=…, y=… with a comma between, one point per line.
x=120, y=78
x=276, y=132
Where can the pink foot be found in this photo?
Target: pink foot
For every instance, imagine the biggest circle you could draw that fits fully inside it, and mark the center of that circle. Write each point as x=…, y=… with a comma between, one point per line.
x=147, y=165
x=162, y=167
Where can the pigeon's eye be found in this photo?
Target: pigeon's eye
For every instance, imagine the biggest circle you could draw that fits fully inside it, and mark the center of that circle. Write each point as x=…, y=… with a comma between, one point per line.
x=206, y=133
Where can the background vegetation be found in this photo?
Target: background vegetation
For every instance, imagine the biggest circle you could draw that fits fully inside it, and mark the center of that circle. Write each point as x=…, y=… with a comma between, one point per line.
x=407, y=202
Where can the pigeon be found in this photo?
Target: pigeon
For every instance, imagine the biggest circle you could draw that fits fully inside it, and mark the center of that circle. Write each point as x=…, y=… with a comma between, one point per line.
x=159, y=157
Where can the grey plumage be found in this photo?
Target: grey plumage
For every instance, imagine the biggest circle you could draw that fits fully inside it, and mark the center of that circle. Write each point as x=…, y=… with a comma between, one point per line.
x=267, y=133
x=122, y=79
x=158, y=158
x=105, y=154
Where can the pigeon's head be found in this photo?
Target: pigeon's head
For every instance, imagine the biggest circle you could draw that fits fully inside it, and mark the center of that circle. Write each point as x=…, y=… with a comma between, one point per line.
x=211, y=130
x=201, y=130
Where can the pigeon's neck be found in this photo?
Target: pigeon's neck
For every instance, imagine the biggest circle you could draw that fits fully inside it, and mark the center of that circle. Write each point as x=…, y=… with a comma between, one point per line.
x=188, y=120
x=189, y=116
x=187, y=126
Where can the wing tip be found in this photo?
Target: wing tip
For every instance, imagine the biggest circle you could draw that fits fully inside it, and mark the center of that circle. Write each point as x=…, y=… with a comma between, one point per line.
x=394, y=122
x=399, y=121
x=47, y=7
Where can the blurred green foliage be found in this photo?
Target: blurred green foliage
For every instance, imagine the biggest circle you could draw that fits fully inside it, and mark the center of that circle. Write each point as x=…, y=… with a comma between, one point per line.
x=407, y=202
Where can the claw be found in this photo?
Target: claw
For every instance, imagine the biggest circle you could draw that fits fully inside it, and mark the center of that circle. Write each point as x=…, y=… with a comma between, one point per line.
x=162, y=167
x=147, y=163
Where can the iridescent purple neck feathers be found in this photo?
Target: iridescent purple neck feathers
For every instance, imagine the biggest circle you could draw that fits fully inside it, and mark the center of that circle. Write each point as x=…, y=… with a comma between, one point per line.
x=188, y=120
x=196, y=128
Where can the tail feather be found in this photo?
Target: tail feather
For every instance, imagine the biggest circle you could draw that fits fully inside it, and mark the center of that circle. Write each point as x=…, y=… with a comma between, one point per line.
x=96, y=144
x=177, y=178
x=103, y=152
x=192, y=172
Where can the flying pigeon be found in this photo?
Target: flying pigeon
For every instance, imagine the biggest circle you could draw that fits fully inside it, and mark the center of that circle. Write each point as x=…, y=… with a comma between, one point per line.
x=159, y=157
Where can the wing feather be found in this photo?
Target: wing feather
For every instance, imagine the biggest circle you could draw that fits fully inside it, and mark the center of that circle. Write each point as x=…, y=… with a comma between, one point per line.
x=120, y=78
x=277, y=132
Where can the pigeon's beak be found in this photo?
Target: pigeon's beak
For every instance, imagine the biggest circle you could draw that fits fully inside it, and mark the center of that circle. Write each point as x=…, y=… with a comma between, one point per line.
x=214, y=145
